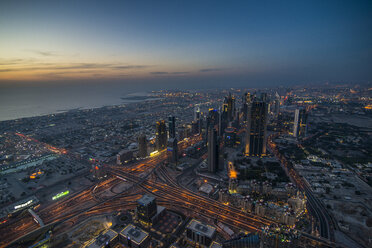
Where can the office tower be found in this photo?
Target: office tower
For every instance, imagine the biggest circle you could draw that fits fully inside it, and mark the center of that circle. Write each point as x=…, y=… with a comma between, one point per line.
x=196, y=113
x=146, y=208
x=246, y=106
x=276, y=104
x=173, y=150
x=255, y=139
x=213, y=150
x=142, y=146
x=223, y=120
x=230, y=101
x=161, y=135
x=230, y=137
x=172, y=126
x=264, y=97
x=212, y=120
x=300, y=123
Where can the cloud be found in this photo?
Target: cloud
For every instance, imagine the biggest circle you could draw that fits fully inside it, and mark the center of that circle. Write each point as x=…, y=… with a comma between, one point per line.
x=124, y=67
x=167, y=73
x=42, y=53
x=210, y=69
x=180, y=72
x=72, y=66
x=159, y=72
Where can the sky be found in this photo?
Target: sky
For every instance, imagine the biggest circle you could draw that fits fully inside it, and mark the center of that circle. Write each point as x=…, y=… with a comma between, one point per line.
x=185, y=42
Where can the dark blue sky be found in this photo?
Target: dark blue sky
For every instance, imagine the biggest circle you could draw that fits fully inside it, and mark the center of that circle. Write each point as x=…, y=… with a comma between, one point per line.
x=241, y=42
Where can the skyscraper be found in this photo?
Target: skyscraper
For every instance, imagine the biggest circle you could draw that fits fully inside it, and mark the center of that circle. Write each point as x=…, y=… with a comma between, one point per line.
x=172, y=126
x=146, y=208
x=246, y=106
x=230, y=101
x=212, y=120
x=142, y=146
x=255, y=139
x=161, y=135
x=196, y=113
x=173, y=150
x=223, y=120
x=213, y=150
x=276, y=104
x=172, y=141
x=300, y=123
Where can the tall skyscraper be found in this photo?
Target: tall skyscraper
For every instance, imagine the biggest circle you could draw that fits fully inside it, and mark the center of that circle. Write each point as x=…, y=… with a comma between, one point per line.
x=196, y=113
x=172, y=126
x=172, y=141
x=300, y=123
x=255, y=139
x=230, y=101
x=212, y=120
x=161, y=135
x=223, y=120
x=173, y=150
x=246, y=106
x=142, y=146
x=276, y=104
x=213, y=150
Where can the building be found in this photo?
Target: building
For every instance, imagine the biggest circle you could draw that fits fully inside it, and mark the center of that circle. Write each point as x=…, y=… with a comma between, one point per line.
x=124, y=156
x=213, y=150
x=146, y=208
x=172, y=126
x=247, y=241
x=215, y=245
x=106, y=239
x=99, y=171
x=276, y=104
x=255, y=139
x=212, y=118
x=148, y=212
x=142, y=146
x=230, y=101
x=161, y=135
x=230, y=137
x=198, y=233
x=173, y=150
x=300, y=123
x=197, y=112
x=247, y=100
x=134, y=237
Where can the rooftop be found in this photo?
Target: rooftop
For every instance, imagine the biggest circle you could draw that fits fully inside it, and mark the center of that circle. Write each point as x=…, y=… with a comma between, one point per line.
x=102, y=240
x=146, y=199
x=199, y=227
x=134, y=233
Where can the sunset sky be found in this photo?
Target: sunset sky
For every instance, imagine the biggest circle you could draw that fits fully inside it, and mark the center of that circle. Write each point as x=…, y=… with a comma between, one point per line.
x=263, y=41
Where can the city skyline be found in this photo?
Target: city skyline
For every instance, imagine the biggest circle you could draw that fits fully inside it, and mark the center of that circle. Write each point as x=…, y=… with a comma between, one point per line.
x=266, y=43
x=178, y=124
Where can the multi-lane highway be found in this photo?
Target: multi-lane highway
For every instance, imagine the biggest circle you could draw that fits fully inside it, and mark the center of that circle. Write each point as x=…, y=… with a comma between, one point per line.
x=83, y=202
x=88, y=202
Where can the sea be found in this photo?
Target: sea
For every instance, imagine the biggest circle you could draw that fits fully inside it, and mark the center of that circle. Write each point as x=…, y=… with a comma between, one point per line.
x=29, y=101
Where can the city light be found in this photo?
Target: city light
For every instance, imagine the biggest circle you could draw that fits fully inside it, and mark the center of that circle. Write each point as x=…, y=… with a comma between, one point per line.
x=61, y=194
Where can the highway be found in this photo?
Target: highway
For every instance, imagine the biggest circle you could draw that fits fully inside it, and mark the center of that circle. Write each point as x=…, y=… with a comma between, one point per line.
x=81, y=202
x=79, y=206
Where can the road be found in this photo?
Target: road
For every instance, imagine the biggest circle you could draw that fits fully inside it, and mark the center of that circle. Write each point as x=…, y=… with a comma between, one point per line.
x=316, y=208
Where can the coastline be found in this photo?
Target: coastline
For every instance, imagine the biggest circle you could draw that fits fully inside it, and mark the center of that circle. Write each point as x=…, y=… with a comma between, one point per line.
x=127, y=99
